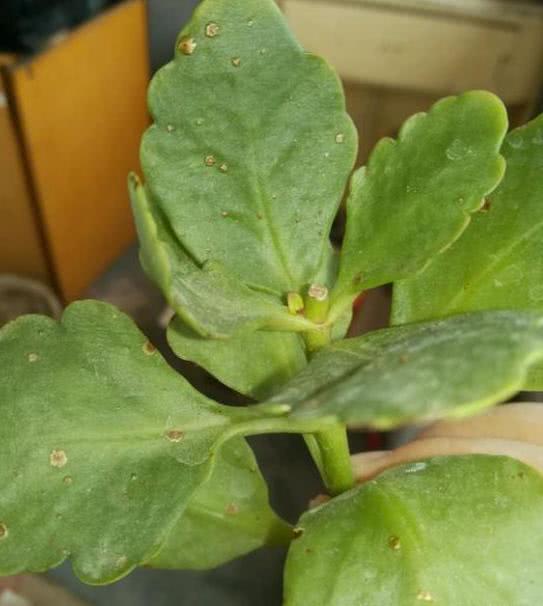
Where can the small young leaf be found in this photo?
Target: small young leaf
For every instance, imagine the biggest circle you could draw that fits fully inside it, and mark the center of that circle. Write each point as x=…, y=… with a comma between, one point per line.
x=227, y=517
x=419, y=372
x=417, y=194
x=210, y=300
x=498, y=261
x=455, y=531
x=251, y=146
x=252, y=363
x=102, y=444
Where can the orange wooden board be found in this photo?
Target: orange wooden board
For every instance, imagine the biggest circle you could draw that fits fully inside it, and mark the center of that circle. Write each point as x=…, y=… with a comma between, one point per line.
x=21, y=250
x=82, y=110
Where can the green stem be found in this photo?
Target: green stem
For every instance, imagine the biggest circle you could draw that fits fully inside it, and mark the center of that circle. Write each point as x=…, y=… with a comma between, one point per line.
x=278, y=424
x=335, y=459
x=324, y=436
x=316, y=307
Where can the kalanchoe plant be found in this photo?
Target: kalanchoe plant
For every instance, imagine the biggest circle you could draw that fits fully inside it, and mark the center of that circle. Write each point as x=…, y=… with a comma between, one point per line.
x=111, y=459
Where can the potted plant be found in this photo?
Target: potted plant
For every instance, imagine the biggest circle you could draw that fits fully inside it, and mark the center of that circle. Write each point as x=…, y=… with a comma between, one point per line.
x=111, y=459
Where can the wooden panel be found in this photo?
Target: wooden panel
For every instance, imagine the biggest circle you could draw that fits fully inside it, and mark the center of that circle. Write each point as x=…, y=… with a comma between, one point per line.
x=406, y=45
x=82, y=109
x=379, y=112
x=21, y=250
x=485, y=10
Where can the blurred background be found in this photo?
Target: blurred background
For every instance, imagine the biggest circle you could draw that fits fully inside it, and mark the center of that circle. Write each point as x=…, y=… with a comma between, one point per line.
x=73, y=79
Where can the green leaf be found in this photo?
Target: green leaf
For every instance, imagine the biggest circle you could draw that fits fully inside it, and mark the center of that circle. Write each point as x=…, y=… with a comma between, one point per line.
x=251, y=146
x=227, y=517
x=417, y=194
x=455, y=531
x=252, y=363
x=102, y=444
x=498, y=262
x=210, y=300
x=395, y=376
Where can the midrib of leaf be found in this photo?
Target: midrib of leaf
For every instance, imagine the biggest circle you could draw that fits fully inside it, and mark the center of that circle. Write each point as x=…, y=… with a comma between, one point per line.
x=262, y=196
x=138, y=436
x=496, y=262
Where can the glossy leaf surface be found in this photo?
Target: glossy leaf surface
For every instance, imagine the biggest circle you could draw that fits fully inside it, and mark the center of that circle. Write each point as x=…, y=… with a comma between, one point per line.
x=460, y=530
x=227, y=517
x=418, y=372
x=102, y=444
x=498, y=261
x=210, y=300
x=251, y=146
x=417, y=194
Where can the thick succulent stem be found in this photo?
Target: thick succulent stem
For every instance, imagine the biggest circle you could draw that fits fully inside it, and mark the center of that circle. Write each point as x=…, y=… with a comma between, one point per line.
x=316, y=308
x=333, y=458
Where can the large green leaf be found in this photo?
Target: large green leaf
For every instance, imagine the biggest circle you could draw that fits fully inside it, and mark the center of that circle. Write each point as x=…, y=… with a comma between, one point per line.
x=254, y=363
x=102, y=444
x=251, y=146
x=209, y=299
x=420, y=371
x=227, y=517
x=498, y=262
x=417, y=193
x=454, y=531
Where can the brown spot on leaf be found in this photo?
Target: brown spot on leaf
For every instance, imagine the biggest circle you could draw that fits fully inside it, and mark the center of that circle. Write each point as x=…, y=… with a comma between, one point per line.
x=236, y=61
x=223, y=168
x=357, y=279
x=212, y=30
x=394, y=543
x=58, y=458
x=187, y=45
x=149, y=348
x=404, y=359
x=174, y=435
x=210, y=160
x=67, y=480
x=3, y=531
x=297, y=532
x=33, y=357
x=232, y=509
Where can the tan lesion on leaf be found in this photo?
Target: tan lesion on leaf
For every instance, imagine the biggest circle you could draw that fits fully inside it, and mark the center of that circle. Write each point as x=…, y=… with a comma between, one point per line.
x=149, y=348
x=58, y=458
x=212, y=30
x=174, y=435
x=187, y=45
